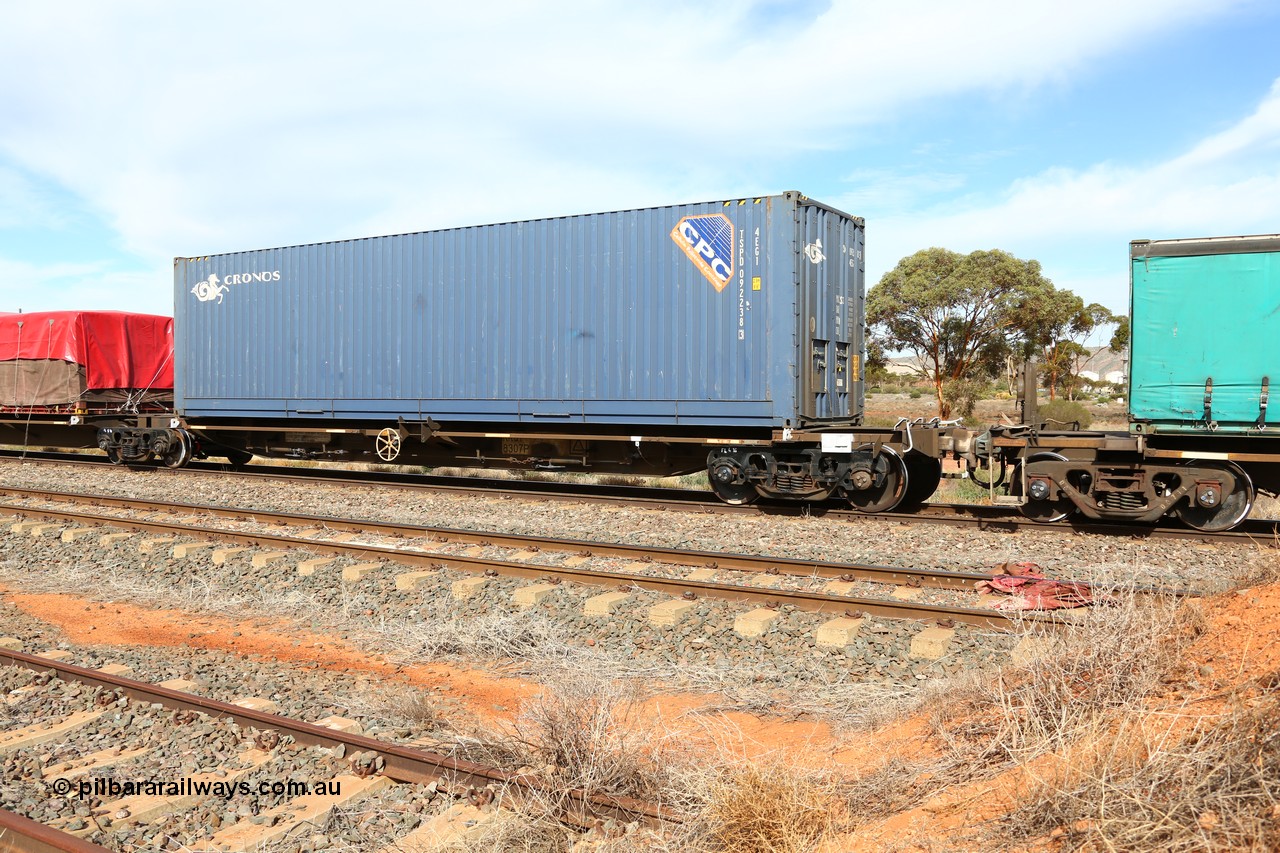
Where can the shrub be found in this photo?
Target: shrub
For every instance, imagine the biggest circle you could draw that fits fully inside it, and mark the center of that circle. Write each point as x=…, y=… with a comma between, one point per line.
x=963, y=395
x=1141, y=788
x=1062, y=413
x=766, y=807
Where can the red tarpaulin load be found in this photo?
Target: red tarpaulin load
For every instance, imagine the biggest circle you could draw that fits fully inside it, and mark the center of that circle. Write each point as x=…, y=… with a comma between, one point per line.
x=117, y=350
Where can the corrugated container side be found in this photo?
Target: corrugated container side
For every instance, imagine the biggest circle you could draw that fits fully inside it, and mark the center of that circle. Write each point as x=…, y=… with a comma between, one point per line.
x=1204, y=310
x=684, y=315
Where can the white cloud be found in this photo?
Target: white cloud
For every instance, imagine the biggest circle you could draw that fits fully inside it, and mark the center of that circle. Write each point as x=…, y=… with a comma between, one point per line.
x=1079, y=222
x=84, y=286
x=234, y=124
x=885, y=189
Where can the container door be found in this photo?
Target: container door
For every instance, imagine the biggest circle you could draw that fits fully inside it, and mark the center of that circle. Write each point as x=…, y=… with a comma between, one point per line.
x=829, y=278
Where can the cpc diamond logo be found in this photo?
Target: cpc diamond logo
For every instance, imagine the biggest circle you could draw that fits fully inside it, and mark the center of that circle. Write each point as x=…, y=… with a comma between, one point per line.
x=707, y=239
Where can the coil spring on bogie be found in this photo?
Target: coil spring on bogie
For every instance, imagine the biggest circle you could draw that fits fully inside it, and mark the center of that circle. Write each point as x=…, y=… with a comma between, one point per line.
x=1123, y=500
x=794, y=483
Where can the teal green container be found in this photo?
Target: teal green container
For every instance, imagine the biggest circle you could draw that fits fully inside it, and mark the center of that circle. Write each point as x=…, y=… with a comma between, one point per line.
x=1205, y=334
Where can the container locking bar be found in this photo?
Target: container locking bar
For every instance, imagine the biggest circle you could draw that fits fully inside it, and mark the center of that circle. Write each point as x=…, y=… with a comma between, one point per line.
x=1262, y=403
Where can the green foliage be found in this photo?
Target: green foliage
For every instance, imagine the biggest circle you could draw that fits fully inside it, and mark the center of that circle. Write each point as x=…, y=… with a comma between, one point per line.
x=1059, y=414
x=957, y=313
x=1059, y=323
x=877, y=361
x=1120, y=337
x=962, y=395
x=963, y=315
x=876, y=372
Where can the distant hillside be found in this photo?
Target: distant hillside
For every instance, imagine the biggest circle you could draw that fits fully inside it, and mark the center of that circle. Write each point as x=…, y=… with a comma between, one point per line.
x=1102, y=361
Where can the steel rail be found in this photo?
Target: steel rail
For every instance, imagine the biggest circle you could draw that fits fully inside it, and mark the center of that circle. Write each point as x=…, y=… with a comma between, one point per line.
x=20, y=834
x=808, y=601
x=982, y=516
x=401, y=763
x=939, y=578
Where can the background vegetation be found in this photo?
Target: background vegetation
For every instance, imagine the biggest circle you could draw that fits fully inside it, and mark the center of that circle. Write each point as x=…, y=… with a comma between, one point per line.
x=969, y=320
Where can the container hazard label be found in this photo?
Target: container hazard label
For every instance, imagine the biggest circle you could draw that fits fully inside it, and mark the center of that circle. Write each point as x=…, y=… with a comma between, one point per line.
x=707, y=240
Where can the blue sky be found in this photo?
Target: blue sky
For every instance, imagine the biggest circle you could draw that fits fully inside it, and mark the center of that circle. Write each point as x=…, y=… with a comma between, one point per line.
x=134, y=132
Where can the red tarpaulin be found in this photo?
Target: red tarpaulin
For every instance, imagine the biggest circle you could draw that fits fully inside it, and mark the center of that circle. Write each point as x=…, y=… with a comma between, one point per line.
x=117, y=349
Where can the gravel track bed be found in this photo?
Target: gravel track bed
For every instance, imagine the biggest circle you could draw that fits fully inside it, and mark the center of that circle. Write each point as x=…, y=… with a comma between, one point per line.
x=549, y=558
x=180, y=748
x=700, y=652
x=784, y=669
x=301, y=694
x=1107, y=559
x=428, y=623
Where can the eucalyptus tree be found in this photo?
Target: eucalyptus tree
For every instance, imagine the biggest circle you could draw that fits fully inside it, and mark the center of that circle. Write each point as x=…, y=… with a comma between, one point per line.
x=960, y=315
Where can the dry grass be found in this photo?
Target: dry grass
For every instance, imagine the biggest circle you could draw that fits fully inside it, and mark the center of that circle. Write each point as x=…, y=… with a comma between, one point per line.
x=582, y=733
x=1140, y=787
x=765, y=807
x=900, y=784
x=400, y=703
x=586, y=733
x=592, y=733
x=1066, y=687
x=516, y=635
x=1118, y=657
x=1264, y=568
x=513, y=831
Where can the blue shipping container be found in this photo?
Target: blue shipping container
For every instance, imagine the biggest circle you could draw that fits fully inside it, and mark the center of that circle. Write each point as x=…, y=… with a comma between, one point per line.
x=1206, y=333
x=744, y=313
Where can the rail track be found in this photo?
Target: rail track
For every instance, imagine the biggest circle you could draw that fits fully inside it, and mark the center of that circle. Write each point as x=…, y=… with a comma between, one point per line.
x=983, y=517
x=45, y=513
x=351, y=538
x=371, y=762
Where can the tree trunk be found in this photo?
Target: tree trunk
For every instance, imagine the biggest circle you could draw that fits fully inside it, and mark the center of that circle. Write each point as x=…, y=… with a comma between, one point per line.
x=944, y=408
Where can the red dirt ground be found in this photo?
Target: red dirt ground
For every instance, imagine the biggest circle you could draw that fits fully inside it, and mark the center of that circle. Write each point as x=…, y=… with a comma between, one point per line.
x=1241, y=641
x=494, y=698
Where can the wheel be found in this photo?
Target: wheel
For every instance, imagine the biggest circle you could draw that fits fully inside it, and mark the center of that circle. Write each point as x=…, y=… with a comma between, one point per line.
x=1041, y=511
x=387, y=444
x=239, y=458
x=1231, y=509
x=180, y=454
x=726, y=479
x=924, y=473
x=113, y=455
x=888, y=486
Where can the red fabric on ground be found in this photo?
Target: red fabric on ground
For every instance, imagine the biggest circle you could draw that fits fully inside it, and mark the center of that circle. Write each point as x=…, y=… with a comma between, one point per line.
x=1030, y=590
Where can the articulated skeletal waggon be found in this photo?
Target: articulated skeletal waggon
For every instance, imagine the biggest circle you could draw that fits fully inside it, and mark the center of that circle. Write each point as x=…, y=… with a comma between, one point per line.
x=725, y=336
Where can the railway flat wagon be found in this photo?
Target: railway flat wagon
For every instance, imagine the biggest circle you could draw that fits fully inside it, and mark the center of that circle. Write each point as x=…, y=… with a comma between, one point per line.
x=1203, y=439
x=67, y=375
x=627, y=341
